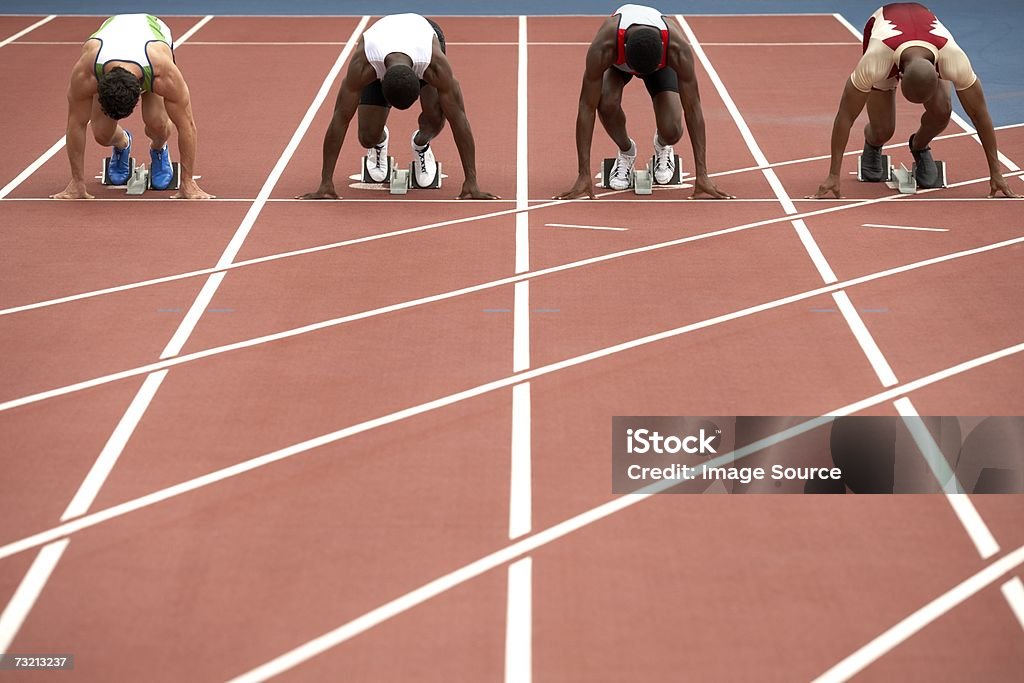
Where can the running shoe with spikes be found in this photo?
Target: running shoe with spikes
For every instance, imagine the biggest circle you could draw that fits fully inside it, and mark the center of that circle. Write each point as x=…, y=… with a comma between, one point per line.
x=621, y=176
x=423, y=163
x=664, y=162
x=377, y=160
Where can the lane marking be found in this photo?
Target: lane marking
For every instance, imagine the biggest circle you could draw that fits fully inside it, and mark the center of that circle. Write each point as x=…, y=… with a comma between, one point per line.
x=113, y=512
x=59, y=145
x=14, y=36
x=903, y=630
x=27, y=592
x=584, y=227
x=115, y=445
x=1013, y=592
x=853, y=320
x=518, y=617
x=519, y=622
x=902, y=227
x=313, y=327
x=418, y=596
x=973, y=524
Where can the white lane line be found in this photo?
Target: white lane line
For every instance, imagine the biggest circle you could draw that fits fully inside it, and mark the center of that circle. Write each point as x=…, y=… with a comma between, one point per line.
x=874, y=650
x=856, y=324
x=28, y=29
x=112, y=450
x=583, y=227
x=440, y=585
x=970, y=519
x=59, y=145
x=902, y=227
x=867, y=343
x=519, y=613
x=258, y=462
x=954, y=117
x=519, y=623
x=28, y=591
x=313, y=327
x=1013, y=591
x=520, y=516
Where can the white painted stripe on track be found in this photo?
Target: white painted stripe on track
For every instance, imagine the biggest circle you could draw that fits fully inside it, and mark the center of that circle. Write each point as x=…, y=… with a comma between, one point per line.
x=519, y=623
x=28, y=591
x=25, y=31
x=1013, y=592
x=902, y=227
x=902, y=631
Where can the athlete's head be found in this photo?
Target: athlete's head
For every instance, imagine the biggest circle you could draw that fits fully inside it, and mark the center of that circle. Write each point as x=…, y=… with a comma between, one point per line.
x=919, y=80
x=643, y=49
x=119, y=92
x=401, y=86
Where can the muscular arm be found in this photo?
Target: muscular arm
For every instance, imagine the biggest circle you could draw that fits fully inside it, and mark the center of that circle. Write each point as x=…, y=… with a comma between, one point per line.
x=450, y=97
x=850, y=107
x=172, y=87
x=360, y=74
x=80, y=96
x=600, y=56
x=973, y=100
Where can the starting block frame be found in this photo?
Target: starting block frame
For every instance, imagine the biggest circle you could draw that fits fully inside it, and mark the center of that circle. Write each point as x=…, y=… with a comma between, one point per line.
x=905, y=180
x=677, y=174
x=367, y=178
x=642, y=180
x=433, y=185
x=886, y=165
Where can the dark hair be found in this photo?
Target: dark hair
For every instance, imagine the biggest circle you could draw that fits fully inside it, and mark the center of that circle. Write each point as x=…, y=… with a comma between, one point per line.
x=401, y=86
x=643, y=49
x=119, y=92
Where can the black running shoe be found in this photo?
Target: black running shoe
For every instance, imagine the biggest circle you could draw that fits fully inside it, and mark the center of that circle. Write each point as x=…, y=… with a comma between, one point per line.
x=872, y=167
x=926, y=171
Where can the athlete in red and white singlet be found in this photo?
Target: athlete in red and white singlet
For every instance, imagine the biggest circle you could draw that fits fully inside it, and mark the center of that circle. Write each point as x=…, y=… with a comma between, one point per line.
x=905, y=43
x=637, y=41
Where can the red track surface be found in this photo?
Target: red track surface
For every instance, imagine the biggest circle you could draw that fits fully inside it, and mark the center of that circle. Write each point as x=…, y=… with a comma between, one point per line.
x=215, y=581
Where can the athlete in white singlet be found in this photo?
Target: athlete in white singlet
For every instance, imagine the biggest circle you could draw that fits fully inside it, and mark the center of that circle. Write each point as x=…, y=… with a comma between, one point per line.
x=130, y=58
x=398, y=60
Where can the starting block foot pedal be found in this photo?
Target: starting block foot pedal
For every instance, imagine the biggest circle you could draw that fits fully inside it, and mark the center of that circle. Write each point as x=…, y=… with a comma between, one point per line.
x=433, y=185
x=175, y=179
x=399, y=181
x=606, y=172
x=677, y=173
x=886, y=171
x=904, y=180
x=105, y=177
x=139, y=180
x=367, y=178
x=940, y=181
x=643, y=181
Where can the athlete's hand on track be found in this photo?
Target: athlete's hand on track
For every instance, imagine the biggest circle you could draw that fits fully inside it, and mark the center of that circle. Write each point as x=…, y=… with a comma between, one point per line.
x=703, y=185
x=831, y=184
x=997, y=184
x=472, y=191
x=190, y=190
x=74, y=190
x=322, y=192
x=582, y=187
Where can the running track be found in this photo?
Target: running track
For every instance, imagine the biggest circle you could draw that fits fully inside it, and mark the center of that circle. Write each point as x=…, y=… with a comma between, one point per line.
x=386, y=427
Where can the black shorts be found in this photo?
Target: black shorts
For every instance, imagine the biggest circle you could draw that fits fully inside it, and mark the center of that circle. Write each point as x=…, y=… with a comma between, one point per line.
x=374, y=95
x=663, y=80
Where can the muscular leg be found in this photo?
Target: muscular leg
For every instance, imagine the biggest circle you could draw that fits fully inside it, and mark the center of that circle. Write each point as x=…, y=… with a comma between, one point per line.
x=158, y=124
x=668, y=114
x=431, y=121
x=609, y=110
x=937, y=112
x=372, y=118
x=106, y=130
x=881, y=117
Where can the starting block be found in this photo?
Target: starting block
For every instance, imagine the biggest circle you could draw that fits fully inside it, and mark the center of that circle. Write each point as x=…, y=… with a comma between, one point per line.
x=138, y=181
x=886, y=165
x=399, y=181
x=942, y=175
x=905, y=180
x=677, y=175
x=105, y=177
x=175, y=178
x=367, y=178
x=435, y=184
x=641, y=180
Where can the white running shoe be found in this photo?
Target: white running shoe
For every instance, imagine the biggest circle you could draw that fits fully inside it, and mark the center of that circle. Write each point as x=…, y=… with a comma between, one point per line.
x=664, y=162
x=377, y=160
x=423, y=163
x=622, y=170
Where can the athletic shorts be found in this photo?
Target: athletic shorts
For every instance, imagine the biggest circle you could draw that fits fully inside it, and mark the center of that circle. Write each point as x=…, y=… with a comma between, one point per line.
x=373, y=94
x=663, y=80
